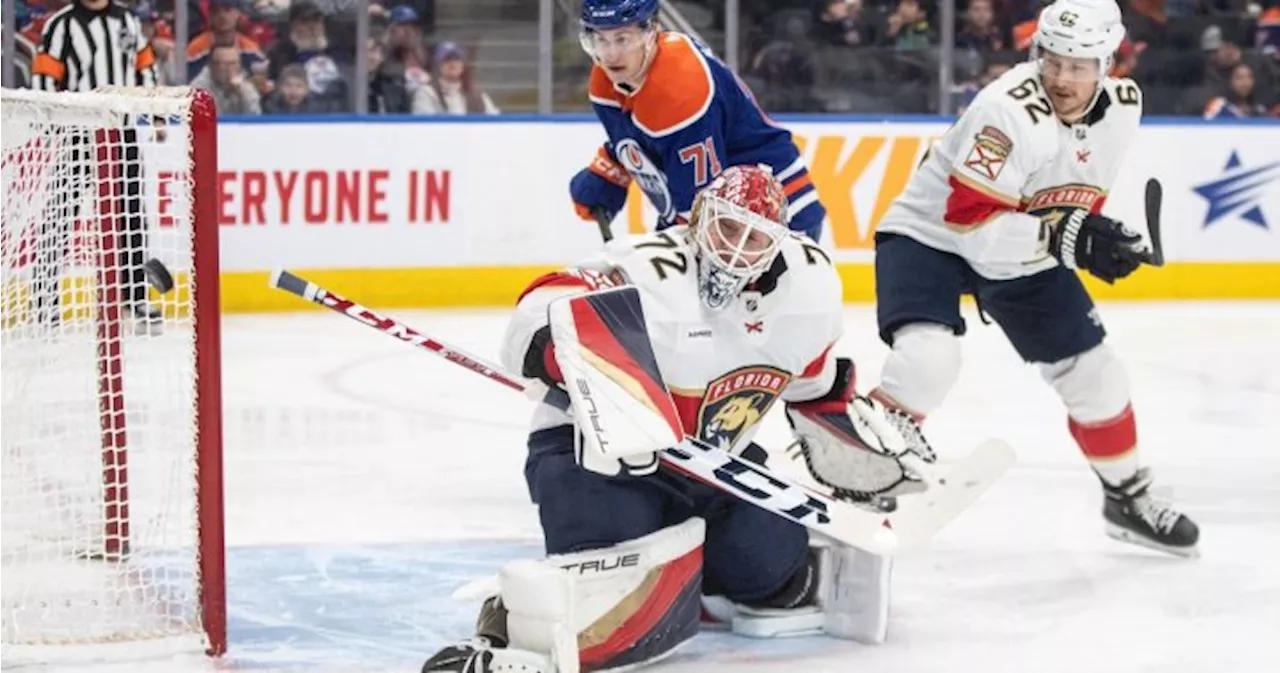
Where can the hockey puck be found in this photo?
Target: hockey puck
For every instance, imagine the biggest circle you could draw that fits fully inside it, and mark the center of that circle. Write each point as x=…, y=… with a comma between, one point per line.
x=158, y=275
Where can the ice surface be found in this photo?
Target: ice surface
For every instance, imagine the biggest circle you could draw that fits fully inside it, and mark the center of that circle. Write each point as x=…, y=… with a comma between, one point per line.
x=366, y=482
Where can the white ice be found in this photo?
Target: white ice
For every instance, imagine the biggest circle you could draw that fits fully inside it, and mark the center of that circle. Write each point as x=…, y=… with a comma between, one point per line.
x=365, y=481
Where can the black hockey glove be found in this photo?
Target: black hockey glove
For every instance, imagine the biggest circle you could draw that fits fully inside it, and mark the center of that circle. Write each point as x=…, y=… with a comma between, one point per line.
x=1098, y=244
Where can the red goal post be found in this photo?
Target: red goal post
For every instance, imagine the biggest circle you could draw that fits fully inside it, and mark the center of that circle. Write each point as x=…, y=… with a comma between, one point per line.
x=111, y=410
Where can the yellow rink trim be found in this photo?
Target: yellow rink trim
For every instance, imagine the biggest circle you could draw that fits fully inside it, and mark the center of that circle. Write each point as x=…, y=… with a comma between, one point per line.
x=499, y=286
x=1178, y=280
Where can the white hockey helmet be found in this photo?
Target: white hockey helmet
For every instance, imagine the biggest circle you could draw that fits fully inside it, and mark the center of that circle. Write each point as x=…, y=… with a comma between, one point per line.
x=1080, y=29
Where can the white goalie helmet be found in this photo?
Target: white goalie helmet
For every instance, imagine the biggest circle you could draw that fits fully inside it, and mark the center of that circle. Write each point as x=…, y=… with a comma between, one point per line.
x=1090, y=29
x=738, y=224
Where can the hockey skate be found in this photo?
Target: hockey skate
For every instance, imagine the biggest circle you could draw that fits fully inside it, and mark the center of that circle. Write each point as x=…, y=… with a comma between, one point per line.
x=486, y=652
x=1133, y=516
x=474, y=655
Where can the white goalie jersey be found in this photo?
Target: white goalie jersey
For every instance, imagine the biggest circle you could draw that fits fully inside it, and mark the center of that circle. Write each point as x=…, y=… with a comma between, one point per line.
x=1008, y=162
x=726, y=369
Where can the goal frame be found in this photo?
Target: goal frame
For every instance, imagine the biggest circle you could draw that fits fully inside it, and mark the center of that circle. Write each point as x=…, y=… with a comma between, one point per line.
x=108, y=165
x=208, y=367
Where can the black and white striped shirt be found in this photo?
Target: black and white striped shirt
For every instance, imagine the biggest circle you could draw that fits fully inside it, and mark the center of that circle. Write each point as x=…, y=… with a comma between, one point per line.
x=82, y=49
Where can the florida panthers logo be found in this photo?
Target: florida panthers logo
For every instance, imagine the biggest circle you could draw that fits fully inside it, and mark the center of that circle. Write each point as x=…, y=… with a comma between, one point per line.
x=651, y=180
x=737, y=401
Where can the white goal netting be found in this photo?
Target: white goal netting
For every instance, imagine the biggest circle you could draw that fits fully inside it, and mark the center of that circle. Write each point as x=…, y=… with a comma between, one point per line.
x=103, y=476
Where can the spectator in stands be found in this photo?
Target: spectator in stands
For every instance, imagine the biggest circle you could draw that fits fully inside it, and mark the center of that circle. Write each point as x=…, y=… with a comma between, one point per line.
x=783, y=73
x=842, y=23
x=996, y=66
x=1267, y=40
x=907, y=28
x=387, y=94
x=157, y=32
x=292, y=94
x=407, y=51
x=1239, y=100
x=1222, y=55
x=452, y=89
x=307, y=44
x=24, y=47
x=1126, y=59
x=424, y=12
x=977, y=36
x=980, y=31
x=224, y=78
x=224, y=30
x=1268, y=33
x=1023, y=17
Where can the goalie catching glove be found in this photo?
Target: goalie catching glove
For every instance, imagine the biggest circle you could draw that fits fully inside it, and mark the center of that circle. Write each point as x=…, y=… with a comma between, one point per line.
x=853, y=445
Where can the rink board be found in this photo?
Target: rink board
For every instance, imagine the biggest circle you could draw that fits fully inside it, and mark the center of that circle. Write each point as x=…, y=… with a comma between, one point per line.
x=432, y=212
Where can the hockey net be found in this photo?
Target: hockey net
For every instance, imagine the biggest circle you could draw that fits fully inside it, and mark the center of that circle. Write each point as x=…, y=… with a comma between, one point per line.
x=111, y=479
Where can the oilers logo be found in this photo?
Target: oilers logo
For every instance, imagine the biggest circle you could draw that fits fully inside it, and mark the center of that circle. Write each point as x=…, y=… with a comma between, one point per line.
x=651, y=180
x=737, y=401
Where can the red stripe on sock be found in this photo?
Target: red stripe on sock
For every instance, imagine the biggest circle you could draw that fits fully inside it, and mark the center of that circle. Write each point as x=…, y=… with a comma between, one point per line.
x=1106, y=439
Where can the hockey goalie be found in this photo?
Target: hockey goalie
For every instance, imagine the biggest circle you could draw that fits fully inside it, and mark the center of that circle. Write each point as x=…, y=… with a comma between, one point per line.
x=694, y=331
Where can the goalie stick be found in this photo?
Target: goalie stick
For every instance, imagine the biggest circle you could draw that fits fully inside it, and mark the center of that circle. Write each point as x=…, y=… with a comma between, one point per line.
x=818, y=511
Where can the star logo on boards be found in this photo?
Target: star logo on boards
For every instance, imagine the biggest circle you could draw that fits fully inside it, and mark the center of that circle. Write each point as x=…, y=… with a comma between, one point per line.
x=1239, y=191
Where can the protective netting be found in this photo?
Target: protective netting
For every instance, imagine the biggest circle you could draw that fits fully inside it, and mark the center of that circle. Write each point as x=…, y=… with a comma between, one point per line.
x=100, y=479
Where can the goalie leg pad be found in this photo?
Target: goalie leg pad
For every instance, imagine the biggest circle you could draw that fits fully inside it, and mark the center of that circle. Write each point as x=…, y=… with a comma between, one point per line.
x=625, y=605
x=853, y=590
x=850, y=601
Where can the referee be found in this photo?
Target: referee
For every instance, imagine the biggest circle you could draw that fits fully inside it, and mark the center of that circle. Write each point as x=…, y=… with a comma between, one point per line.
x=85, y=45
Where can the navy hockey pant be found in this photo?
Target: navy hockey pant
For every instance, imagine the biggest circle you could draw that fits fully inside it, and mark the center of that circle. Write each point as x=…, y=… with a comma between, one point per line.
x=748, y=555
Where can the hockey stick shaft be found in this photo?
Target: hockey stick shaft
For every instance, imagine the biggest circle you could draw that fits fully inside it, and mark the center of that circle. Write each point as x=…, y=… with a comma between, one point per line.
x=604, y=221
x=747, y=481
x=284, y=280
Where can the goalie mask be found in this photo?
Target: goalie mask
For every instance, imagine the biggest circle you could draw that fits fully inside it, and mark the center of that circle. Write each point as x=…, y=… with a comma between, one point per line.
x=738, y=223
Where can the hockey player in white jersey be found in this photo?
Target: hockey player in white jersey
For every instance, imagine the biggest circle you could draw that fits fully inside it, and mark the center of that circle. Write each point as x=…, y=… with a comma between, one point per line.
x=730, y=314
x=1006, y=207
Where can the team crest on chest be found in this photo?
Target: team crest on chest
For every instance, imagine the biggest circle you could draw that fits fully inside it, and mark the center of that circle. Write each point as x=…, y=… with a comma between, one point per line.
x=736, y=401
